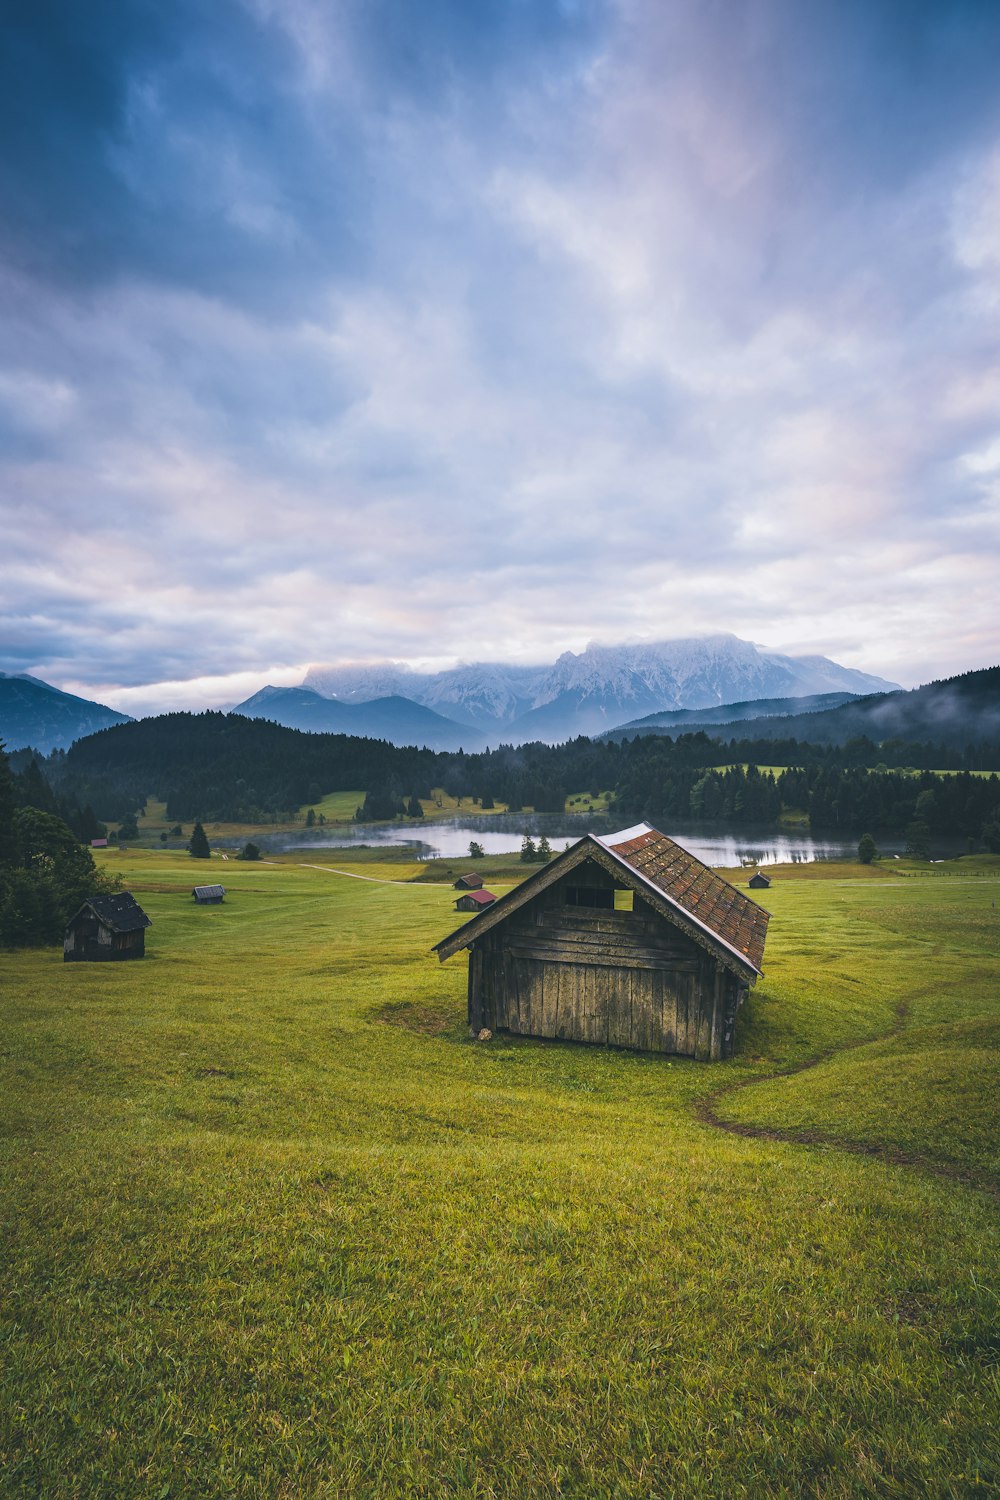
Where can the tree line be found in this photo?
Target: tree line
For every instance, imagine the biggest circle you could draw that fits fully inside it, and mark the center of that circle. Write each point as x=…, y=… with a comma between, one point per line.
x=231, y=769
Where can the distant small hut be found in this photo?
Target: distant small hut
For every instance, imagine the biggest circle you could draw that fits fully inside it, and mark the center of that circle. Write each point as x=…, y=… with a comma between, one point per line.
x=625, y=939
x=759, y=881
x=209, y=895
x=106, y=929
x=98, y=843
x=475, y=901
x=469, y=883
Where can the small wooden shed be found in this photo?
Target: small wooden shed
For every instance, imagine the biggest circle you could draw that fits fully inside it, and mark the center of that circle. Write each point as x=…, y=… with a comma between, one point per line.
x=469, y=883
x=759, y=881
x=626, y=940
x=105, y=929
x=475, y=901
x=209, y=895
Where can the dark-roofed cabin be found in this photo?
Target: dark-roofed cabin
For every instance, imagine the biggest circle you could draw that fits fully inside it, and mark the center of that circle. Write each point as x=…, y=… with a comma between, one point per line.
x=625, y=940
x=209, y=895
x=469, y=883
x=105, y=929
x=759, y=882
x=475, y=901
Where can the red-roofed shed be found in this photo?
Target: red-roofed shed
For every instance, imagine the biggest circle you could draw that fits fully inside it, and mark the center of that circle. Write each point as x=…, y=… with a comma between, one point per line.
x=475, y=901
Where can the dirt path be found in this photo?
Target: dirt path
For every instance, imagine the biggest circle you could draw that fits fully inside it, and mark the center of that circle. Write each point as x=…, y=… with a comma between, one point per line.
x=707, y=1112
x=438, y=885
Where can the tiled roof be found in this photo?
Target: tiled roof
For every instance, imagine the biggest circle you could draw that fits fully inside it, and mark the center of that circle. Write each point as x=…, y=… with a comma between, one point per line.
x=733, y=924
x=209, y=890
x=692, y=886
x=481, y=898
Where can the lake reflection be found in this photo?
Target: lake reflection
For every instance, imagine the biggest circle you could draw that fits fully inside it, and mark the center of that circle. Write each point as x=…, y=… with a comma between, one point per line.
x=502, y=833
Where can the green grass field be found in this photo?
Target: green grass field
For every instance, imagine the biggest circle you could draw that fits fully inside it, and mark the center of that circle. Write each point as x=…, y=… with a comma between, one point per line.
x=272, y=1225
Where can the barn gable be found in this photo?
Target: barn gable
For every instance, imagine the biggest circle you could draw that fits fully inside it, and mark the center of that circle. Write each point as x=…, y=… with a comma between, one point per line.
x=625, y=939
x=674, y=881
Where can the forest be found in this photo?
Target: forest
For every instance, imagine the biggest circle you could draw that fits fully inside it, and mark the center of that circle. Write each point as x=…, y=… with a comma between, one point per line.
x=227, y=768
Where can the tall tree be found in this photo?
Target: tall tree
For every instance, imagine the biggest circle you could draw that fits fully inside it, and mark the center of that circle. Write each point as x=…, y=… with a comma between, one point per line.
x=8, y=844
x=198, y=843
x=867, y=850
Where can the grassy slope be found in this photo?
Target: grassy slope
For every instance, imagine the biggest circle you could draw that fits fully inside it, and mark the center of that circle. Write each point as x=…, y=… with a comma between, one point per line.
x=273, y=1225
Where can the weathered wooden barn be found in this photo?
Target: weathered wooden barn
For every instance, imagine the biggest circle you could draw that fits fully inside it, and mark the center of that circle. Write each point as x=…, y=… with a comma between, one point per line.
x=759, y=881
x=475, y=900
x=624, y=940
x=105, y=929
x=209, y=895
x=469, y=883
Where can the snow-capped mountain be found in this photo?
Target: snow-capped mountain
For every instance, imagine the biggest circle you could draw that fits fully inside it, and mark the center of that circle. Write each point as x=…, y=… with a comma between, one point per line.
x=598, y=688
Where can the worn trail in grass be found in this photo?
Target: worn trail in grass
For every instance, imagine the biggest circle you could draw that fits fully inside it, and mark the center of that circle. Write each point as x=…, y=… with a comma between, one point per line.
x=272, y=1224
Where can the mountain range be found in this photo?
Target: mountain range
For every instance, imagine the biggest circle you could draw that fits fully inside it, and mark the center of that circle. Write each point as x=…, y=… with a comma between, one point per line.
x=597, y=689
x=480, y=704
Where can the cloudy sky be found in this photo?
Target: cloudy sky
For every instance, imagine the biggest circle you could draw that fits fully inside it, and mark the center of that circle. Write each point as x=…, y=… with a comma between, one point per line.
x=336, y=330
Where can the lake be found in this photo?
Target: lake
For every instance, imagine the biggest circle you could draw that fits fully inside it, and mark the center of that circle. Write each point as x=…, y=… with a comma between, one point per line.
x=501, y=833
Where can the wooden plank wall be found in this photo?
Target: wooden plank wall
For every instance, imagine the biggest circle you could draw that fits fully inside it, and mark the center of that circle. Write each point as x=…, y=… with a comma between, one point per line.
x=624, y=979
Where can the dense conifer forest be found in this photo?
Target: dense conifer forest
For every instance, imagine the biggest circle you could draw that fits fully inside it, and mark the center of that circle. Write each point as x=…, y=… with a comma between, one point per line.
x=227, y=768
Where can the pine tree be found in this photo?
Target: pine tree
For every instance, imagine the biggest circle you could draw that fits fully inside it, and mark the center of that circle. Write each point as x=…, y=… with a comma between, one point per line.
x=528, y=850
x=413, y=808
x=544, y=849
x=198, y=844
x=8, y=844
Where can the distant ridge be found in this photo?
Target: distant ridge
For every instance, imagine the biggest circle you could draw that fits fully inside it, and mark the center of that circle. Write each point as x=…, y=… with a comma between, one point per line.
x=688, y=720
x=34, y=714
x=392, y=718
x=955, y=712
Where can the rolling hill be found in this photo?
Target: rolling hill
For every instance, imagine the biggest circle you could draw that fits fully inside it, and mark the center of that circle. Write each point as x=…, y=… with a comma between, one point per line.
x=955, y=712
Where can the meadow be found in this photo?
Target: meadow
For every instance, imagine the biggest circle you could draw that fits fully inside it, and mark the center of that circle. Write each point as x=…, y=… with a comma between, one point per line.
x=272, y=1224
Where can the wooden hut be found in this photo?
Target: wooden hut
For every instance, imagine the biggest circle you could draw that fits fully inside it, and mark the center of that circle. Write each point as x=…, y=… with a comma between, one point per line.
x=105, y=929
x=759, y=881
x=209, y=895
x=475, y=901
x=469, y=883
x=624, y=940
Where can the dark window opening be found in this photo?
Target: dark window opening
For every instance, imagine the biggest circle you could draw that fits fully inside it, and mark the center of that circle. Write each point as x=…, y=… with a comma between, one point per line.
x=585, y=895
